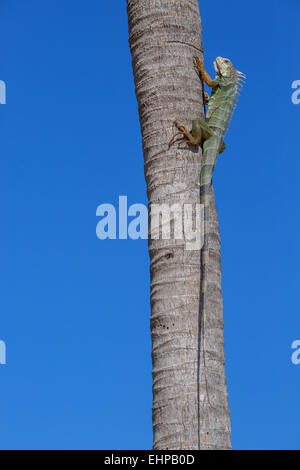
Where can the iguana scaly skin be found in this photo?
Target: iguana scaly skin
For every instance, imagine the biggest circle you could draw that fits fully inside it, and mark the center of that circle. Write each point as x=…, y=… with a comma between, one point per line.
x=225, y=91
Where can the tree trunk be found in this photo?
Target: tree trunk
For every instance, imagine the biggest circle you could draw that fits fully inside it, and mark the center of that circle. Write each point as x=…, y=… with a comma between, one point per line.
x=164, y=37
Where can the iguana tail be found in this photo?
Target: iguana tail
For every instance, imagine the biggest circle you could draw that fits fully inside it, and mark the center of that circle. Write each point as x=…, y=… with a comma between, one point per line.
x=211, y=149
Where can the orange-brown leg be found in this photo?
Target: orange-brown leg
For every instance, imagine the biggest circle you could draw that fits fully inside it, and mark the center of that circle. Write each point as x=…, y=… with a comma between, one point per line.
x=194, y=137
x=185, y=132
x=206, y=77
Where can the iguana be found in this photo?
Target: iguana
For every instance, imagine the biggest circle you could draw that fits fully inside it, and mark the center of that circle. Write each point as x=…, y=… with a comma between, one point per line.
x=225, y=90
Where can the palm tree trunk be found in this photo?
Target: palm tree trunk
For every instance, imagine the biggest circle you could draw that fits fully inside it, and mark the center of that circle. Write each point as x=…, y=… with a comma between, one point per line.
x=164, y=37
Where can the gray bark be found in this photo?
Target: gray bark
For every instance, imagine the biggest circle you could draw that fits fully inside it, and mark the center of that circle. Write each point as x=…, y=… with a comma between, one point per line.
x=164, y=36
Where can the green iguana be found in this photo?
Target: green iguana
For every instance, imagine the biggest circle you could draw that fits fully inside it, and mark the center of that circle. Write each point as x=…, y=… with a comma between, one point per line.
x=221, y=104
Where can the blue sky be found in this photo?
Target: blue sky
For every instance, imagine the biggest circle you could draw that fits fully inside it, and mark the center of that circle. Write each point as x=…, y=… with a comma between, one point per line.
x=74, y=309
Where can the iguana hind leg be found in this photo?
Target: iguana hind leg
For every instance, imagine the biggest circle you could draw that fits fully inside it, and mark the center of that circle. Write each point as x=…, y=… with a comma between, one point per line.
x=182, y=131
x=200, y=131
x=222, y=147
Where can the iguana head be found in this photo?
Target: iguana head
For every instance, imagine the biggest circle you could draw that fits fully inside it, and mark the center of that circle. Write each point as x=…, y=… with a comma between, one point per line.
x=224, y=68
x=227, y=73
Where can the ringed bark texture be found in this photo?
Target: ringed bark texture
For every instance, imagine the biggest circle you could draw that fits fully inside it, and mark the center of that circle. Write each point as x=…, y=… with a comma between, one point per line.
x=164, y=35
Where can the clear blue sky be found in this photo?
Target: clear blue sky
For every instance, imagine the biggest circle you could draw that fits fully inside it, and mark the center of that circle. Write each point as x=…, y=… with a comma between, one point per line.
x=75, y=310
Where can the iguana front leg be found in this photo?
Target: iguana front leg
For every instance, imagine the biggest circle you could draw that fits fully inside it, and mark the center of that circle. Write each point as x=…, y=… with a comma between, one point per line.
x=206, y=77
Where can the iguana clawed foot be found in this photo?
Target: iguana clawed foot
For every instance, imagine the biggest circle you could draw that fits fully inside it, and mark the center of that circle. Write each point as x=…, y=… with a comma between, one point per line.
x=183, y=131
x=199, y=64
